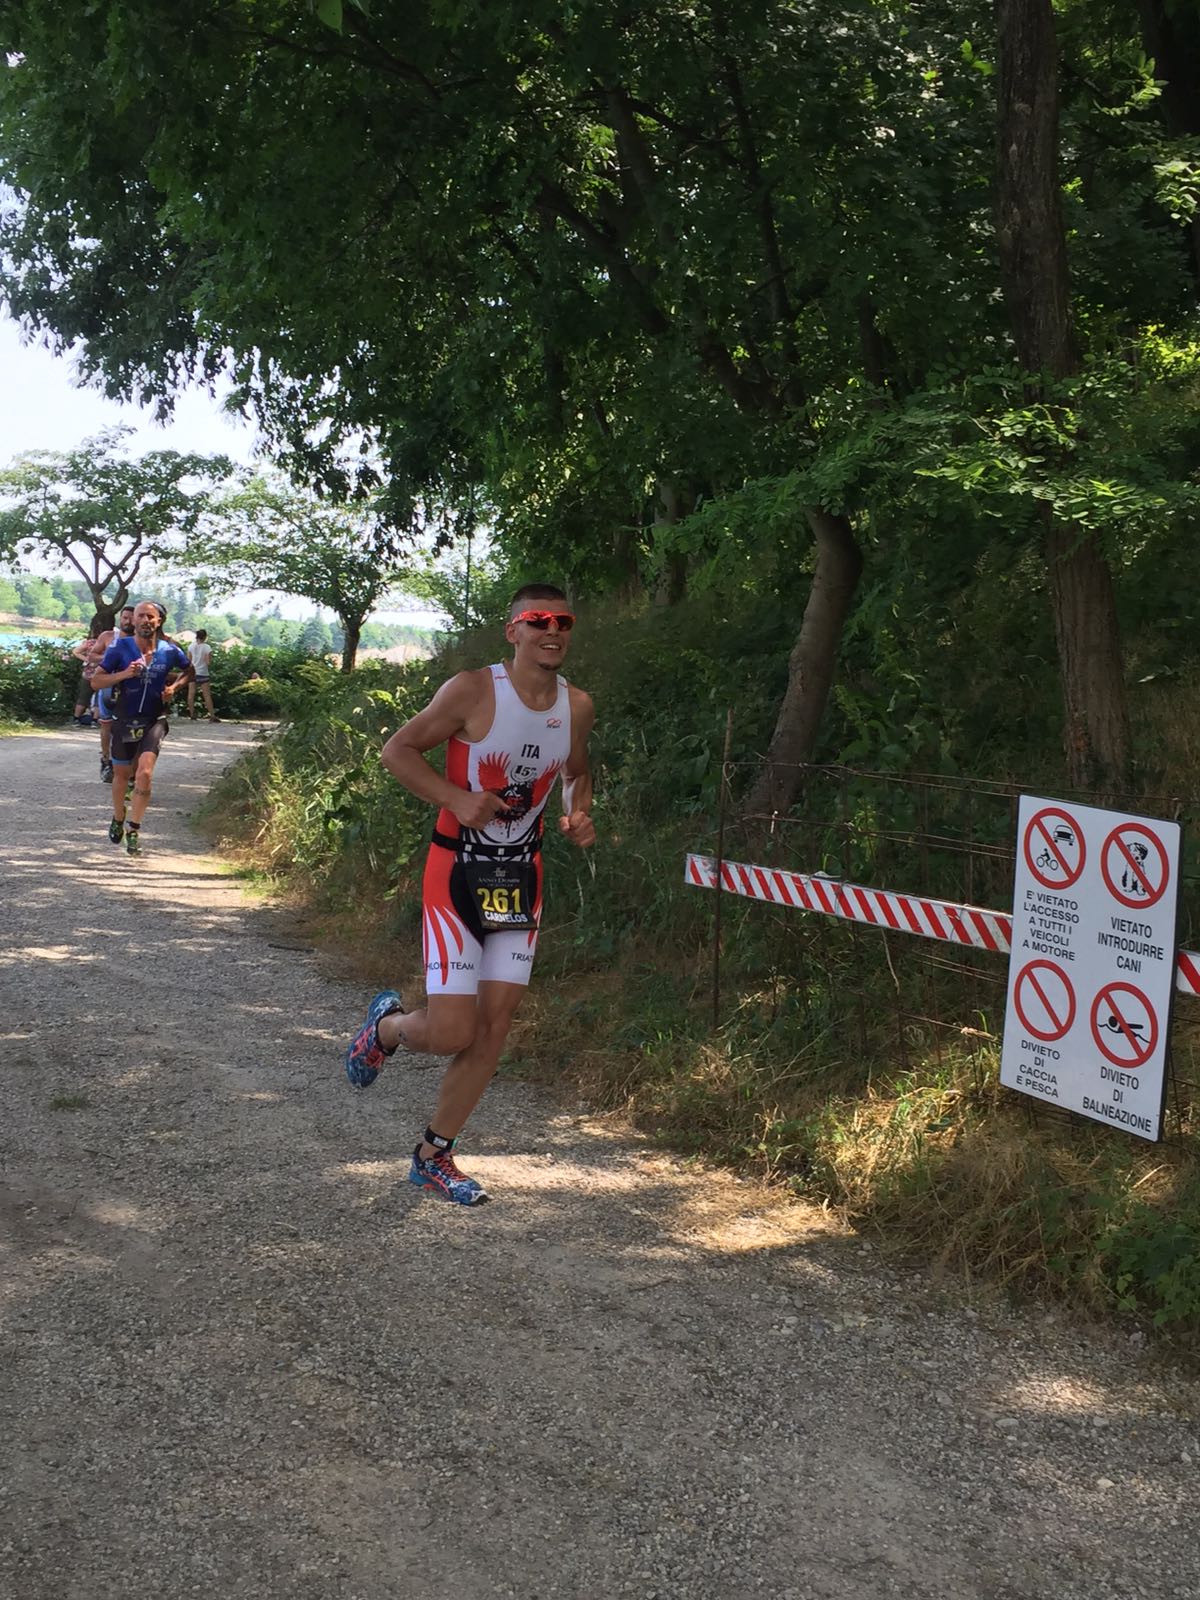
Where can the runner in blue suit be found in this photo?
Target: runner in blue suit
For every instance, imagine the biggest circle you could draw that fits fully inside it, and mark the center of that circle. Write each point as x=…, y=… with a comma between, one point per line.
x=143, y=673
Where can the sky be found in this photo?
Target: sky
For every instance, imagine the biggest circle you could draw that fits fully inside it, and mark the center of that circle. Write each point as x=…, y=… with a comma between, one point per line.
x=42, y=407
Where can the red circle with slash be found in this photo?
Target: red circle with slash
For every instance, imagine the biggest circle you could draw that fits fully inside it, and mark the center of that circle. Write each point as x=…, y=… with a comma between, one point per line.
x=1130, y=1015
x=1135, y=883
x=1066, y=853
x=1045, y=1000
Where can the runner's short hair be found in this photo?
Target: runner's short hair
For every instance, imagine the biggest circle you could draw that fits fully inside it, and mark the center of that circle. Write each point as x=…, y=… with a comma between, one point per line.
x=158, y=606
x=536, y=591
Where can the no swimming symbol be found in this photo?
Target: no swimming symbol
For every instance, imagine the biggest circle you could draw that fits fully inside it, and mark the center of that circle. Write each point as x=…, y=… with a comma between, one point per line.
x=1124, y=1025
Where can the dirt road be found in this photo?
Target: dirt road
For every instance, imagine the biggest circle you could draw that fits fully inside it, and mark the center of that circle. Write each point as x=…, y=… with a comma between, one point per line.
x=240, y=1356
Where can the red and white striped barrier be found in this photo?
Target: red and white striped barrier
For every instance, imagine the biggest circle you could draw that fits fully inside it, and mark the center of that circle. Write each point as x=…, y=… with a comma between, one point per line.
x=881, y=908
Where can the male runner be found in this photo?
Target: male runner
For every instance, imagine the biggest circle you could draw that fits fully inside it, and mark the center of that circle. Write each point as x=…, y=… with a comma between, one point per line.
x=138, y=669
x=91, y=653
x=509, y=731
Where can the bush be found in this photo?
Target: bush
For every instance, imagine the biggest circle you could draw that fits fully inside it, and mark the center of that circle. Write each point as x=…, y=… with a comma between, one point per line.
x=316, y=798
x=257, y=682
x=38, y=682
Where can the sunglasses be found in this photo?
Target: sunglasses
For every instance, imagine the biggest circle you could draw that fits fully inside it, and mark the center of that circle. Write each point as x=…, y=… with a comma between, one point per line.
x=563, y=620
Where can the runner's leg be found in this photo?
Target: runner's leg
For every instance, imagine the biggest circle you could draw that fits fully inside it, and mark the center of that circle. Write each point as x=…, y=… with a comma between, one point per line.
x=120, y=786
x=473, y=1068
x=442, y=1027
x=143, y=776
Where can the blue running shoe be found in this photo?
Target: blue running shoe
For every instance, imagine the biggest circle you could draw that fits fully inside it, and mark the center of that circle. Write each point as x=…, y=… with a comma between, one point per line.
x=440, y=1174
x=366, y=1055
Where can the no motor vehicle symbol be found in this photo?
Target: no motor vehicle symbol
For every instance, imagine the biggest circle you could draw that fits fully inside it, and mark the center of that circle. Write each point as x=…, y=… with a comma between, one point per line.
x=1054, y=848
x=1045, y=1000
x=1135, y=865
x=1124, y=1025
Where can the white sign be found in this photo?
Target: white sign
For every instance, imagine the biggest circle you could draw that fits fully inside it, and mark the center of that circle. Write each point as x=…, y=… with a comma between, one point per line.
x=1092, y=969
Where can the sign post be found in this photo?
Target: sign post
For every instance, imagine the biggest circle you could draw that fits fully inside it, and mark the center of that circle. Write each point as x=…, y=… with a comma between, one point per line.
x=1092, y=966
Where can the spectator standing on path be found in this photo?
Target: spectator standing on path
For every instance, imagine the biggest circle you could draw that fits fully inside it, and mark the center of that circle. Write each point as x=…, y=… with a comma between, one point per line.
x=91, y=653
x=509, y=731
x=200, y=655
x=137, y=669
x=100, y=627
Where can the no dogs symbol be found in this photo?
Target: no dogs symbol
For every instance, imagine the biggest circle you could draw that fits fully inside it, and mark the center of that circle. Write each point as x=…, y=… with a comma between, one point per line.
x=1054, y=848
x=1124, y=1025
x=1045, y=1000
x=1135, y=865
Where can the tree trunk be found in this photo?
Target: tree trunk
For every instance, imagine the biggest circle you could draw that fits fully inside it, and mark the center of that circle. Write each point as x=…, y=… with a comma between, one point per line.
x=811, y=664
x=627, y=558
x=1096, y=728
x=100, y=604
x=351, y=634
x=1033, y=262
x=675, y=501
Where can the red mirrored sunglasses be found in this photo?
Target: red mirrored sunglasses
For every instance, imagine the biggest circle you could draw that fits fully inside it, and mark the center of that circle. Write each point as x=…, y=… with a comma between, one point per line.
x=563, y=620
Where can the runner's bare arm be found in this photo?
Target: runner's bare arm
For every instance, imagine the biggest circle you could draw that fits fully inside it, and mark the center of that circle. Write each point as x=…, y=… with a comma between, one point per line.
x=91, y=651
x=576, y=822
x=185, y=677
x=448, y=713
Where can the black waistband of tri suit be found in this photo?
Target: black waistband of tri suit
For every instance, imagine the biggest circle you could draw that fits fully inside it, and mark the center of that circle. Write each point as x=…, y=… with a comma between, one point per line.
x=502, y=852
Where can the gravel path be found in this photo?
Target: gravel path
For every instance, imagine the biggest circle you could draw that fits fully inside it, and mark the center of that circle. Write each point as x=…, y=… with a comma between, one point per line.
x=239, y=1356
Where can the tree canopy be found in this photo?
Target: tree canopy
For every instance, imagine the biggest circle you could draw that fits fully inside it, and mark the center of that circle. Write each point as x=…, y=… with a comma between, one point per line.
x=103, y=512
x=667, y=290
x=267, y=535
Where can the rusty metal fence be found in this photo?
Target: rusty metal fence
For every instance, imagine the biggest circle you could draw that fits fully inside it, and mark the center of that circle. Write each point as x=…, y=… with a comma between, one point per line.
x=903, y=1001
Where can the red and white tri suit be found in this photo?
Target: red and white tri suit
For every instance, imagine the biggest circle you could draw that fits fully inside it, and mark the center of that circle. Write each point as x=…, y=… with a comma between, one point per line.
x=518, y=759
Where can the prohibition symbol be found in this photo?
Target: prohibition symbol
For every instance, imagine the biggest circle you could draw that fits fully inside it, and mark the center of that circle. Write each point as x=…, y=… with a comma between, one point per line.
x=1124, y=1025
x=1054, y=848
x=1045, y=1000
x=1135, y=865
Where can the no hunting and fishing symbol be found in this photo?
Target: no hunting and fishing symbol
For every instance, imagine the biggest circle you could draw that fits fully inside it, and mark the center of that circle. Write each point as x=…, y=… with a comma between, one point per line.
x=1045, y=1000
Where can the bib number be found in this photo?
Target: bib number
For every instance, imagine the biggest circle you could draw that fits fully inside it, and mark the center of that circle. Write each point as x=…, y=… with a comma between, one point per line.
x=503, y=893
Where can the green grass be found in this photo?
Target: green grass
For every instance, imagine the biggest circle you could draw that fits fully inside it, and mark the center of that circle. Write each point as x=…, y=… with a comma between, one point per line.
x=69, y=1102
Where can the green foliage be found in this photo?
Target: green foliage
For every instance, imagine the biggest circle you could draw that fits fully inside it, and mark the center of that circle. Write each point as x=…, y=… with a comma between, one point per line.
x=248, y=681
x=316, y=796
x=37, y=598
x=1153, y=1261
x=37, y=682
x=593, y=268
x=102, y=513
x=266, y=535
